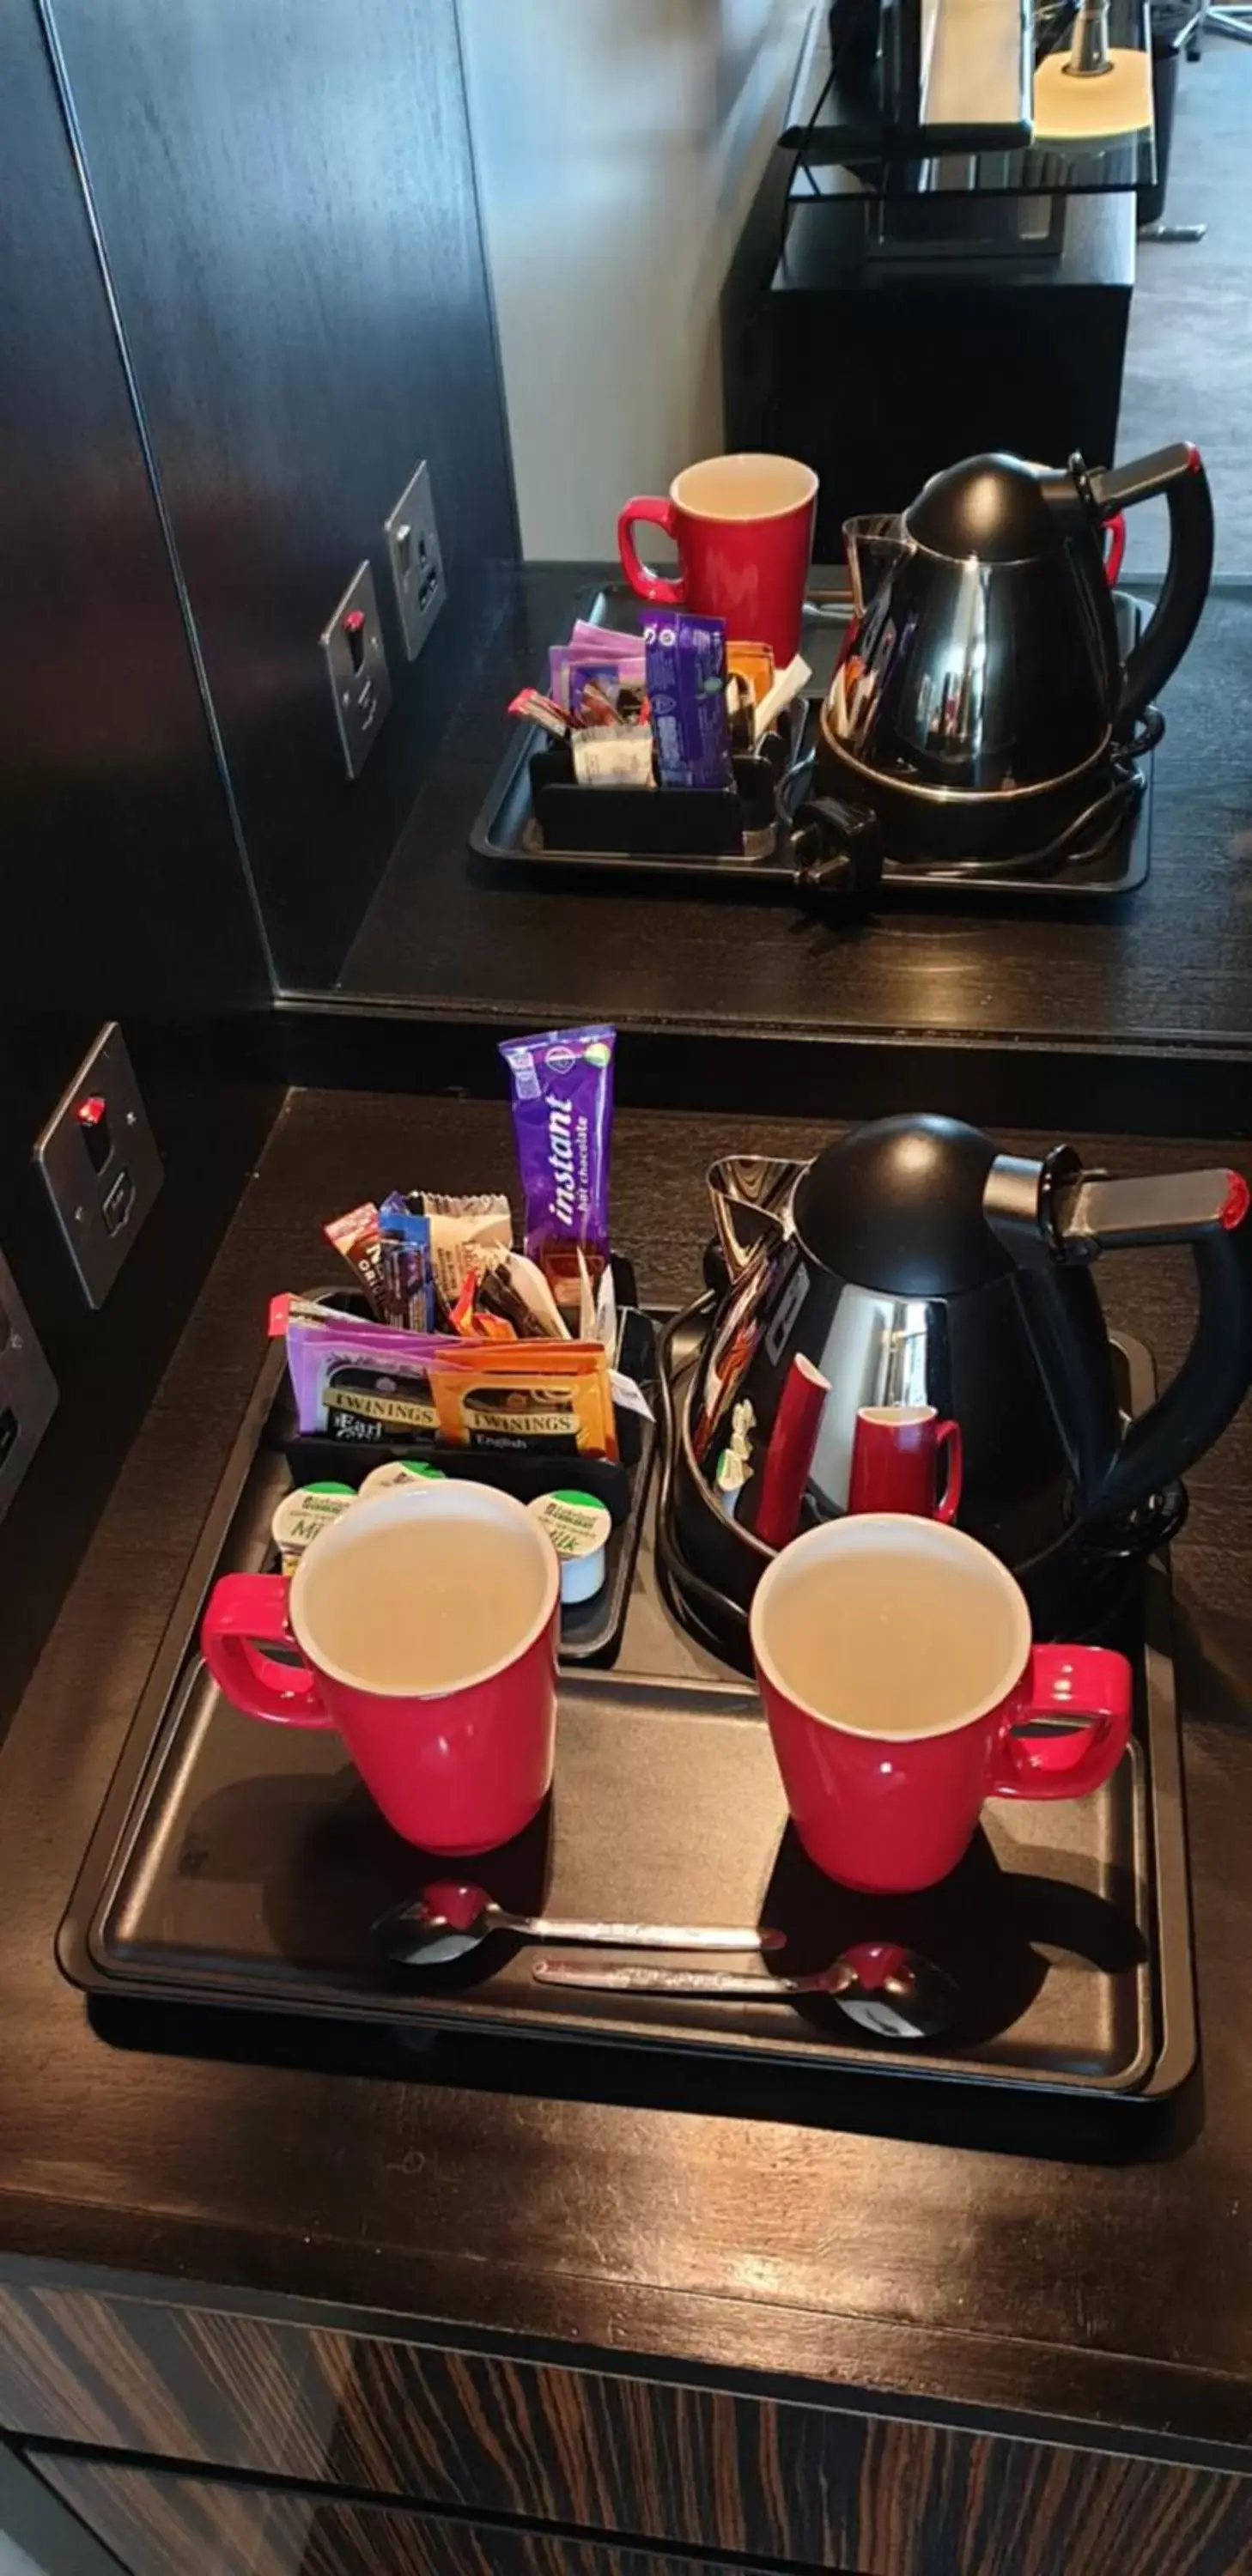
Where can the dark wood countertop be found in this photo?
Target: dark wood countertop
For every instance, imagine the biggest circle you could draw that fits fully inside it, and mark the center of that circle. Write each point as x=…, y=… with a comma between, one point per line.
x=935, y=2250
x=1167, y=969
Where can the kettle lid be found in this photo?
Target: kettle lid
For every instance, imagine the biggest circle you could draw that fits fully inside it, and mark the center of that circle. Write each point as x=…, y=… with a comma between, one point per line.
x=897, y=1206
x=996, y=508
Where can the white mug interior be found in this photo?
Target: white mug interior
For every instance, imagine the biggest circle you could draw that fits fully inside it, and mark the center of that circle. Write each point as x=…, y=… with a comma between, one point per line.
x=901, y=1416
x=904, y=1539
x=473, y=1511
x=743, y=487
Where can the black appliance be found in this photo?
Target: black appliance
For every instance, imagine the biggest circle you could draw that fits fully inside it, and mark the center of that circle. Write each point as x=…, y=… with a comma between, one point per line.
x=911, y=1263
x=980, y=706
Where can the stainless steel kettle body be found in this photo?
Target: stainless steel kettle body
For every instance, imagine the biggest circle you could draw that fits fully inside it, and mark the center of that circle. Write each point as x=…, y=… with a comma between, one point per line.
x=980, y=690
x=913, y=1264
x=968, y=1354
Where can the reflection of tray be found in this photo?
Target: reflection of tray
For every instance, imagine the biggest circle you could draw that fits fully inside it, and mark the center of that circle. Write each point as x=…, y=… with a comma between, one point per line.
x=243, y=1865
x=505, y=832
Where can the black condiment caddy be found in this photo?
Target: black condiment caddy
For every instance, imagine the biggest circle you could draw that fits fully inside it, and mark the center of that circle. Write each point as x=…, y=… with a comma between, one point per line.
x=740, y=821
x=590, y=1630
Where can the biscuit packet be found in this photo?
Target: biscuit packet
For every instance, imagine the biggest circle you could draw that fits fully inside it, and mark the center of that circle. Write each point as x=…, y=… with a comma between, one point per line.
x=461, y=1231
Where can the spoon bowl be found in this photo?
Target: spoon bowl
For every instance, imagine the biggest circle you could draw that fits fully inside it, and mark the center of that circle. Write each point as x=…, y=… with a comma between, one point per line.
x=894, y=1992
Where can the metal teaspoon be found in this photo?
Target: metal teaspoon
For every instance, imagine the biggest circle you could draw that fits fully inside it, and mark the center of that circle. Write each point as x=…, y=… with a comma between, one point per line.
x=883, y=1987
x=448, y=1920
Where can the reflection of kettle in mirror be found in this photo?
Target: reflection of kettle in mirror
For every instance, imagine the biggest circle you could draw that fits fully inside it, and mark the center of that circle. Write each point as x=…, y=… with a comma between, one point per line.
x=981, y=692
x=910, y=1263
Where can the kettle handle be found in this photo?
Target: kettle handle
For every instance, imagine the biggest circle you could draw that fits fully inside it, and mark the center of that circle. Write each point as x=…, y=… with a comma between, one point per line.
x=1217, y=1371
x=1179, y=474
x=1051, y=1216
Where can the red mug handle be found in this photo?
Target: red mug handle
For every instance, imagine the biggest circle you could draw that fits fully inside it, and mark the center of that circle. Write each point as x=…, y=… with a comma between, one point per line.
x=1115, y=531
x=246, y=1612
x=948, y=1436
x=649, y=585
x=1092, y=1685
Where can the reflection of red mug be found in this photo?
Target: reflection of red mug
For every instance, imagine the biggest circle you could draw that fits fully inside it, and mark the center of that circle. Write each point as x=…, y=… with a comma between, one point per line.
x=895, y=1461
x=895, y=1661
x=743, y=526
x=426, y=1622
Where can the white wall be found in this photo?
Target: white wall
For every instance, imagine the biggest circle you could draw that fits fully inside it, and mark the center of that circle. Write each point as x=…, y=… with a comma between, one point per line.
x=619, y=146
x=14, y=2561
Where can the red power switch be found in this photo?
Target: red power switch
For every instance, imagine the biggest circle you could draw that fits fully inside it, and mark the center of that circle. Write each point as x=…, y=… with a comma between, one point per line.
x=93, y=1118
x=354, y=629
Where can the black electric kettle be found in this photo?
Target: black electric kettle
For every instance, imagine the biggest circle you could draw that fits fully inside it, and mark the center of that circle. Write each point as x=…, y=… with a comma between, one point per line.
x=980, y=693
x=911, y=1263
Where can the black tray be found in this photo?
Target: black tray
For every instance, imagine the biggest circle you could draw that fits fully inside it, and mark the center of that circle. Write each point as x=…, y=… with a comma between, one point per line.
x=506, y=834
x=242, y=1865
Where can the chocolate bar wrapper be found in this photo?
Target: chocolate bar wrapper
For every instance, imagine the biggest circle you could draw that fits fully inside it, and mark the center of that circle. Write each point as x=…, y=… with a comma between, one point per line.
x=508, y=1299
x=563, y=1123
x=604, y=693
x=407, y=1296
x=686, y=674
x=605, y=659
x=355, y=1237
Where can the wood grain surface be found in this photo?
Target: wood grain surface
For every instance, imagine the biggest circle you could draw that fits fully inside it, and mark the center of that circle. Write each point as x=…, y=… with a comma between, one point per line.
x=1170, y=966
x=159, y=2523
x=1042, y=2271
x=904, y=2503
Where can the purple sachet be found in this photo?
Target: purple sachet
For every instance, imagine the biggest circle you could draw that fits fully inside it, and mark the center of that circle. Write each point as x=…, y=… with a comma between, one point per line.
x=605, y=660
x=563, y=1123
x=686, y=670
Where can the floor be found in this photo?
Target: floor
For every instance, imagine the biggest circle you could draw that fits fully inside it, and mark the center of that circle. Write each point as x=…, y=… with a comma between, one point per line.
x=1189, y=358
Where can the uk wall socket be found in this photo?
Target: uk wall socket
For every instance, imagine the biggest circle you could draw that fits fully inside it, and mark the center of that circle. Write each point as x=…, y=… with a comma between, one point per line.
x=28, y=1389
x=356, y=670
x=99, y=1160
x=415, y=559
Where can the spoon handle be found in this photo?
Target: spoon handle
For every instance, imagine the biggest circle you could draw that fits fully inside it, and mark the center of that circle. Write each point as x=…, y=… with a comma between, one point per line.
x=643, y=1936
x=688, y=1981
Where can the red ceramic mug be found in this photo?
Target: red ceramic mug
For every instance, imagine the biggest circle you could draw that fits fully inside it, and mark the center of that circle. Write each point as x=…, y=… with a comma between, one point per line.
x=743, y=526
x=426, y=1624
x=895, y=1660
x=895, y=1461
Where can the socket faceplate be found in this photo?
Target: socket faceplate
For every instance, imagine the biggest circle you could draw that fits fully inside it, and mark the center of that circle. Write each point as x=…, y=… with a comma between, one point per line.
x=99, y=1159
x=356, y=667
x=415, y=559
x=28, y=1389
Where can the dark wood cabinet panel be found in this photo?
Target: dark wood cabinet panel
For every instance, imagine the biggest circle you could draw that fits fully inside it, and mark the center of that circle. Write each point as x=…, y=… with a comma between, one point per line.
x=814, y=2485
x=157, y=2523
x=286, y=194
x=124, y=893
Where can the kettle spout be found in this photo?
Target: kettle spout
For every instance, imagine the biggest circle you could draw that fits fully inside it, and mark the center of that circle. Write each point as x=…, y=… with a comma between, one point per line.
x=874, y=545
x=751, y=1195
